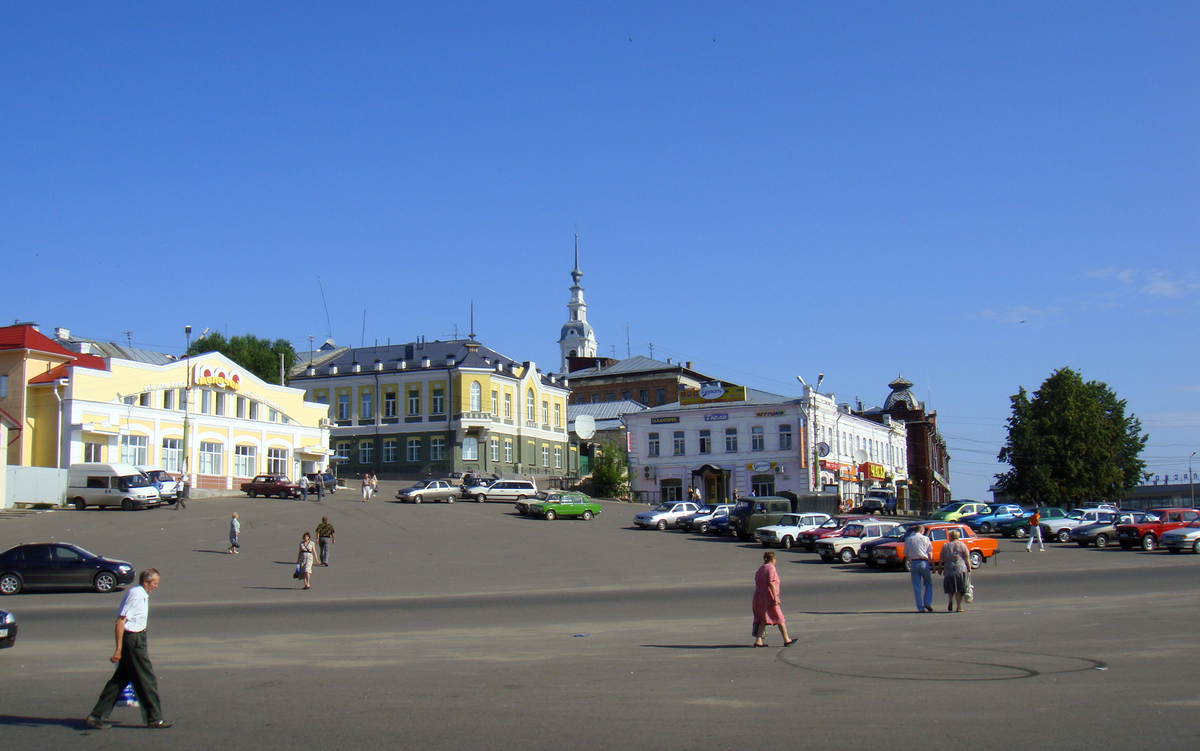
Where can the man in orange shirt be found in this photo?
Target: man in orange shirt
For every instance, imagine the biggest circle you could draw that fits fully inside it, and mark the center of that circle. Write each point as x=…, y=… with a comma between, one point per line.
x=1035, y=531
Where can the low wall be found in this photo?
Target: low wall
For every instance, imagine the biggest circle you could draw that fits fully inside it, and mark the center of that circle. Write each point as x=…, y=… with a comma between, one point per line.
x=28, y=485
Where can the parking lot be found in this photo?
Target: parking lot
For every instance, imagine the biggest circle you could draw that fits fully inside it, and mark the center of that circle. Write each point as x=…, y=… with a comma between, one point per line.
x=468, y=626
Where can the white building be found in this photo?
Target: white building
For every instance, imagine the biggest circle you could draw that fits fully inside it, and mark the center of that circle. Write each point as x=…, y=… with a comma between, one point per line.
x=853, y=454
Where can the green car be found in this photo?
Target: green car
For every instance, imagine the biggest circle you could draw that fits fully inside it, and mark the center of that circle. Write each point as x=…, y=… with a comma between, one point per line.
x=566, y=505
x=956, y=510
x=1019, y=527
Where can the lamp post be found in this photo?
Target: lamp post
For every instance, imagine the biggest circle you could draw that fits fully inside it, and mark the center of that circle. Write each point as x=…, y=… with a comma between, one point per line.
x=187, y=399
x=1191, y=480
x=812, y=420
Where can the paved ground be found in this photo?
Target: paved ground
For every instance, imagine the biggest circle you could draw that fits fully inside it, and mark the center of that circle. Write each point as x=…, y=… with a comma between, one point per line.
x=466, y=626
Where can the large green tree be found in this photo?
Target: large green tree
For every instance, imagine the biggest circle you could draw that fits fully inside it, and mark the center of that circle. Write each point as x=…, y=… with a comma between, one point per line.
x=259, y=356
x=1071, y=442
x=610, y=477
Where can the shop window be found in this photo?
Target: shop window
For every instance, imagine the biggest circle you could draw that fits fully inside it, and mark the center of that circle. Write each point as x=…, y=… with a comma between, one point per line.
x=470, y=449
x=476, y=397
x=558, y=457
x=705, y=441
x=211, y=455
x=245, y=461
x=93, y=452
x=134, y=449
x=785, y=437
x=172, y=454
x=437, y=449
x=731, y=440
x=762, y=484
x=277, y=461
x=389, y=451
x=758, y=441
x=413, y=450
x=652, y=444
x=678, y=443
x=508, y=450
x=672, y=490
x=366, y=452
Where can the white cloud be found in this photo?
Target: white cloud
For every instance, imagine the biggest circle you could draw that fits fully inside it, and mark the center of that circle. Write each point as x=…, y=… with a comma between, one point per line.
x=1150, y=282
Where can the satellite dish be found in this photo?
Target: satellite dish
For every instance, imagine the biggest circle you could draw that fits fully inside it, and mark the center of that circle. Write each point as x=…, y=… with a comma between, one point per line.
x=585, y=426
x=860, y=456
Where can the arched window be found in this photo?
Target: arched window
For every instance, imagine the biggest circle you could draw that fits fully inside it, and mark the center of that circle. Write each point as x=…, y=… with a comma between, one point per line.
x=530, y=406
x=476, y=397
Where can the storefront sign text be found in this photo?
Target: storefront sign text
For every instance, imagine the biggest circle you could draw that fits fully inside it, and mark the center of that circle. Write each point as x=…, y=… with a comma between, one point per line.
x=207, y=375
x=714, y=418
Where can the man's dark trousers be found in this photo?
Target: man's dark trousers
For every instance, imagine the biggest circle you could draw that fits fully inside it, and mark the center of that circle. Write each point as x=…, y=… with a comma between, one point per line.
x=134, y=668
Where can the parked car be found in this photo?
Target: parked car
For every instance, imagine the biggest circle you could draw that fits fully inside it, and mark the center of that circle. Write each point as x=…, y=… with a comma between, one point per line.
x=751, y=513
x=1104, y=531
x=1060, y=529
x=35, y=565
x=899, y=533
x=566, y=505
x=1020, y=526
x=891, y=555
x=807, y=539
x=986, y=521
x=8, y=629
x=102, y=484
x=509, y=490
x=665, y=515
x=700, y=520
x=785, y=533
x=955, y=510
x=269, y=485
x=1148, y=532
x=166, y=485
x=475, y=487
x=718, y=526
x=845, y=544
x=424, y=491
x=1186, y=537
x=330, y=481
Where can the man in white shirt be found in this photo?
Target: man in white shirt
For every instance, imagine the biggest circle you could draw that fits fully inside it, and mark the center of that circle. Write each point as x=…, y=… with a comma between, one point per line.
x=303, y=483
x=132, y=659
x=918, y=551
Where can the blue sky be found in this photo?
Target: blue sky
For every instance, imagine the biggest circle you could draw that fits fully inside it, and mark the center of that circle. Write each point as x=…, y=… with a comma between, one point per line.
x=971, y=195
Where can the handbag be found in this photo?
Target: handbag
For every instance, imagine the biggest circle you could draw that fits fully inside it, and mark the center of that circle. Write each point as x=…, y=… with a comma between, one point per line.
x=296, y=574
x=969, y=596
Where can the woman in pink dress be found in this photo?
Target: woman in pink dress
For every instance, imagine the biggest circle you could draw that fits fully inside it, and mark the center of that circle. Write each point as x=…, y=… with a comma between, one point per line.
x=766, y=605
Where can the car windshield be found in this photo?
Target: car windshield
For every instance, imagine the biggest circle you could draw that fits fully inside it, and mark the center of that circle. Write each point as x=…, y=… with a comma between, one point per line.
x=830, y=524
x=134, y=481
x=422, y=484
x=1193, y=524
x=710, y=507
x=852, y=529
x=742, y=507
x=899, y=533
x=665, y=506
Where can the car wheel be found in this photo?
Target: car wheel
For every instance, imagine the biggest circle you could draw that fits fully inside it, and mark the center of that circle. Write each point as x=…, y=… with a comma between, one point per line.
x=787, y=542
x=847, y=555
x=127, y=505
x=1020, y=533
x=1149, y=542
x=450, y=499
x=283, y=494
x=251, y=493
x=586, y=515
x=550, y=515
x=520, y=498
x=416, y=499
x=10, y=584
x=1064, y=535
x=80, y=504
x=104, y=582
x=1196, y=547
x=1102, y=541
x=976, y=559
x=702, y=528
x=662, y=525
x=985, y=528
x=480, y=498
x=827, y=558
x=907, y=566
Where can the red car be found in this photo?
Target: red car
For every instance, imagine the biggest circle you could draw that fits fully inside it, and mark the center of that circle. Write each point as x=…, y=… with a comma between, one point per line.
x=808, y=540
x=269, y=485
x=1158, y=520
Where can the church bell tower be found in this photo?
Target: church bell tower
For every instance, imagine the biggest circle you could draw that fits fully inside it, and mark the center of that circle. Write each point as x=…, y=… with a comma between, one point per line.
x=577, y=338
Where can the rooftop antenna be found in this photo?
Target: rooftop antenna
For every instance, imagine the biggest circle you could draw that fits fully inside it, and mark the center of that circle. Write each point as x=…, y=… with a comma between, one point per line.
x=628, y=353
x=363, y=339
x=327, y=323
x=128, y=338
x=472, y=320
x=310, y=350
x=651, y=350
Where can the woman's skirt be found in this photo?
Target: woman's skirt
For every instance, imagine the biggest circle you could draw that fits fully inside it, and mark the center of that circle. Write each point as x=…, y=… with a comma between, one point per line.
x=955, y=584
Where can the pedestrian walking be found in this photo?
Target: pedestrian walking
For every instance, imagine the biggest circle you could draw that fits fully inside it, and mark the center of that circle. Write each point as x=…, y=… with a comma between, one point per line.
x=235, y=534
x=766, y=604
x=1035, y=531
x=374, y=484
x=366, y=487
x=918, y=551
x=320, y=485
x=183, y=491
x=132, y=658
x=326, y=536
x=956, y=570
x=304, y=559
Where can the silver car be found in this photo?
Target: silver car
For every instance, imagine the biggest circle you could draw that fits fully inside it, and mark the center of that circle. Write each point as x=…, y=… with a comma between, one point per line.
x=1186, y=537
x=429, y=490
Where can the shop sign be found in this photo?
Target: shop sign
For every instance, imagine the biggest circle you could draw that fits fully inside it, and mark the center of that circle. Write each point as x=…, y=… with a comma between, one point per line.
x=663, y=420
x=212, y=375
x=760, y=466
x=712, y=392
x=873, y=471
x=831, y=466
x=715, y=418
x=776, y=413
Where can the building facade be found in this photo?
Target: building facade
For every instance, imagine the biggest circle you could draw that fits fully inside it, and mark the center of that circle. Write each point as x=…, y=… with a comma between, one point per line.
x=928, y=457
x=649, y=382
x=421, y=409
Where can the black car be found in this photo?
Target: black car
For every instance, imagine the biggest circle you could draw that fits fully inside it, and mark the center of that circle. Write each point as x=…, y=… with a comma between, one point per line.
x=8, y=629
x=59, y=565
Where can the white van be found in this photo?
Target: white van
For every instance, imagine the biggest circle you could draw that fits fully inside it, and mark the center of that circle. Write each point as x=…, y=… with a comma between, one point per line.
x=101, y=484
x=167, y=486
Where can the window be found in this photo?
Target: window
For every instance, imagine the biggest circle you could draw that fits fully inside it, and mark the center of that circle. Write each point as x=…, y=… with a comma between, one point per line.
x=558, y=457
x=545, y=455
x=414, y=401
x=133, y=449
x=494, y=448
x=644, y=397
x=705, y=441
x=672, y=490
x=470, y=449
x=220, y=408
x=241, y=407
x=595, y=398
x=144, y=399
x=678, y=443
x=730, y=440
x=545, y=412
x=557, y=415
x=439, y=401
x=343, y=407
x=366, y=406
x=172, y=455
x=94, y=452
x=758, y=441
x=476, y=397
x=322, y=397
x=277, y=461
x=254, y=409
x=610, y=397
x=413, y=450
x=785, y=437
x=495, y=404
x=168, y=399
x=181, y=398
x=343, y=449
x=508, y=454
x=624, y=396
x=762, y=484
x=366, y=452
x=389, y=449
x=530, y=410
x=272, y=415
x=210, y=459
x=389, y=405
x=507, y=405
x=205, y=401
x=245, y=462
x=437, y=448
x=652, y=444
x=661, y=394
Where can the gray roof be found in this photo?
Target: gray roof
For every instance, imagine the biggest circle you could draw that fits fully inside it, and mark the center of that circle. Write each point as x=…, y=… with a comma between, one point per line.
x=604, y=410
x=116, y=351
x=467, y=353
x=754, y=397
x=635, y=364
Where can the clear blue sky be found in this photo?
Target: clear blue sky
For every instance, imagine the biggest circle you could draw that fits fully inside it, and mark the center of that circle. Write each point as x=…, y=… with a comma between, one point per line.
x=968, y=194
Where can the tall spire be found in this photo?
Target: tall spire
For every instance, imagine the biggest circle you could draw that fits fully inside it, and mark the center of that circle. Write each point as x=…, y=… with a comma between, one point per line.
x=576, y=274
x=576, y=338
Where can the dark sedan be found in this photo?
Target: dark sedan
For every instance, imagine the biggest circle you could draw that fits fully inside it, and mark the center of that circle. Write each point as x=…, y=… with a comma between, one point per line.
x=59, y=565
x=8, y=629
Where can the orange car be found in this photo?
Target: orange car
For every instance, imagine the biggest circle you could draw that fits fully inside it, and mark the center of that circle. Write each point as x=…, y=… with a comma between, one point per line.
x=892, y=554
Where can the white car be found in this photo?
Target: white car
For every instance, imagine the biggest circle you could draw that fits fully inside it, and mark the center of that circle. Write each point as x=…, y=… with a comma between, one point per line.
x=666, y=515
x=1060, y=529
x=788, y=529
x=1186, y=537
x=167, y=486
x=844, y=546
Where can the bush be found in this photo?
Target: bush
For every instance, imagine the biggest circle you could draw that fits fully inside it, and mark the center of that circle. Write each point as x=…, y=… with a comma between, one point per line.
x=610, y=475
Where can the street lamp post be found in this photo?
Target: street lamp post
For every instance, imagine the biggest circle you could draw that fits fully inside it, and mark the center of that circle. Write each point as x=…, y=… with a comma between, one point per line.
x=812, y=420
x=187, y=399
x=1191, y=480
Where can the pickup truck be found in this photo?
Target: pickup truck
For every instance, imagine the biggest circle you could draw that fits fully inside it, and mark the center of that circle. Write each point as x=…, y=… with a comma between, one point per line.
x=268, y=485
x=1157, y=521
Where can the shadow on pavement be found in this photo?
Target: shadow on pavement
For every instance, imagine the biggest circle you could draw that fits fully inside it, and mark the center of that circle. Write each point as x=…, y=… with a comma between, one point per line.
x=33, y=722
x=286, y=589
x=696, y=646
x=220, y=552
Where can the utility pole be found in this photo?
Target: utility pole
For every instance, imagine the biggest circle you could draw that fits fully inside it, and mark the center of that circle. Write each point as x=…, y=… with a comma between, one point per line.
x=185, y=468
